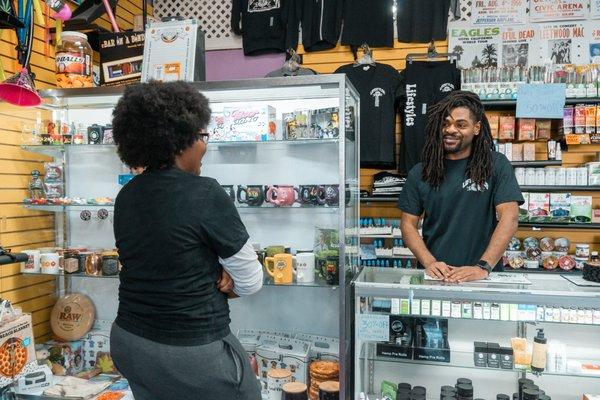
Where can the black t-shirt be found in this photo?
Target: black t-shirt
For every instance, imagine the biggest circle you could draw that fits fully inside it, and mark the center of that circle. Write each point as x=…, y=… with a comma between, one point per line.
x=170, y=228
x=421, y=21
x=424, y=84
x=368, y=21
x=459, y=218
x=378, y=87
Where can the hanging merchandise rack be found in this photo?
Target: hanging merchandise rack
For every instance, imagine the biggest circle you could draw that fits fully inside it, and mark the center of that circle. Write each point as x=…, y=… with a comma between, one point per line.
x=431, y=54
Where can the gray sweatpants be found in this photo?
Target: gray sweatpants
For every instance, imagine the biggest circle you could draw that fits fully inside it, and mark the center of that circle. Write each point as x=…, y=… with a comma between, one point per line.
x=216, y=371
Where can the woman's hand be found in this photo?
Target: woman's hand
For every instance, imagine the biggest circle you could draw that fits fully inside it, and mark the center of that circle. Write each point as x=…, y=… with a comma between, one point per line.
x=225, y=284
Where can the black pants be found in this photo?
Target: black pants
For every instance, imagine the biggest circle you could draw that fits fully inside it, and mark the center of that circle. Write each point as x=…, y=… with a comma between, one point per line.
x=216, y=371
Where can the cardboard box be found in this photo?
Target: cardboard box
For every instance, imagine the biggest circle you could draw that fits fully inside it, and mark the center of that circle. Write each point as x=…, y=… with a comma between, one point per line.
x=322, y=347
x=280, y=352
x=581, y=209
x=494, y=120
x=507, y=127
x=68, y=355
x=296, y=125
x=431, y=340
x=401, y=339
x=517, y=152
x=217, y=127
x=593, y=173
x=526, y=129
x=560, y=207
x=250, y=123
x=590, y=119
x=596, y=216
x=508, y=150
x=96, y=341
x=121, y=57
x=543, y=129
x=524, y=208
x=16, y=338
x=539, y=207
x=528, y=151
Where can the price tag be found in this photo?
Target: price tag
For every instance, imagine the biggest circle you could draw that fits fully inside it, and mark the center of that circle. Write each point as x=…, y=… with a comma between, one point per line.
x=541, y=101
x=373, y=327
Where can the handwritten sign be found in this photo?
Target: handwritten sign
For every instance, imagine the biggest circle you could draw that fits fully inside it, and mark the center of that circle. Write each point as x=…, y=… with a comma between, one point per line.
x=541, y=100
x=373, y=327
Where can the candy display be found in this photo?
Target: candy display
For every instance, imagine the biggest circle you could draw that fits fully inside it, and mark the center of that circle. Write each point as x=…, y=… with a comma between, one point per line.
x=546, y=252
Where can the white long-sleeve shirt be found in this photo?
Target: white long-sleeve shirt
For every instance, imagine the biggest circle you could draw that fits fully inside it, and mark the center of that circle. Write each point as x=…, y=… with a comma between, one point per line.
x=245, y=270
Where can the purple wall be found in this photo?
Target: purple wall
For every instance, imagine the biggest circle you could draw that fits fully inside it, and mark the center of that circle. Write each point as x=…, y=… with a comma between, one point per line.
x=224, y=65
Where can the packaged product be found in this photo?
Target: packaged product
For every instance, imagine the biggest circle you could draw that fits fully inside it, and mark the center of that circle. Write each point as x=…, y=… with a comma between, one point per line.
x=528, y=151
x=251, y=123
x=53, y=172
x=216, y=127
x=54, y=190
x=73, y=61
x=526, y=129
x=539, y=207
x=524, y=208
x=96, y=341
x=568, y=120
x=296, y=125
x=580, y=115
x=508, y=150
x=543, y=128
x=325, y=123
x=517, y=152
x=17, y=348
x=507, y=127
x=560, y=207
x=581, y=208
x=593, y=173
x=590, y=119
x=68, y=355
x=494, y=120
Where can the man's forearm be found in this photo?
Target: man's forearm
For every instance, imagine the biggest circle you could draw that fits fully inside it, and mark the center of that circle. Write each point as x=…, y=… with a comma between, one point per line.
x=415, y=243
x=505, y=230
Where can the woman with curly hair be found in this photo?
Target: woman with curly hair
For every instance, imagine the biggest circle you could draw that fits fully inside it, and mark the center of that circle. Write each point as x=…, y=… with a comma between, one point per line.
x=184, y=250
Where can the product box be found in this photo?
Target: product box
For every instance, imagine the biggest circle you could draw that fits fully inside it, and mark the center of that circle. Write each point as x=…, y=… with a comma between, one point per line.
x=507, y=127
x=325, y=123
x=296, y=125
x=524, y=208
x=580, y=115
x=17, y=350
x=251, y=123
x=493, y=355
x=539, y=207
x=494, y=120
x=281, y=352
x=250, y=338
x=568, y=120
x=528, y=151
x=121, y=55
x=97, y=340
x=526, y=129
x=431, y=340
x=543, y=129
x=217, y=127
x=590, y=119
x=596, y=216
x=401, y=339
x=517, y=152
x=560, y=207
x=581, y=209
x=508, y=150
x=321, y=347
x=68, y=355
x=593, y=173
x=480, y=354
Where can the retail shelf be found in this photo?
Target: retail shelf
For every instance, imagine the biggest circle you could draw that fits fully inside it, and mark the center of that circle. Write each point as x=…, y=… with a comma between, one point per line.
x=526, y=188
x=464, y=359
x=53, y=150
x=536, y=163
x=15, y=257
x=540, y=270
x=556, y=225
x=513, y=103
x=378, y=199
x=77, y=275
x=318, y=283
x=390, y=236
x=70, y=207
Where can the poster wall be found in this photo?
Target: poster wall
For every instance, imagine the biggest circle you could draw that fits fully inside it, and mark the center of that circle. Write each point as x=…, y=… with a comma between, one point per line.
x=595, y=9
x=499, y=12
x=558, y=10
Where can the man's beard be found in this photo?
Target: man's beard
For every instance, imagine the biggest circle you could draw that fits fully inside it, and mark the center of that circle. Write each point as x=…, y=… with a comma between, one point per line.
x=455, y=148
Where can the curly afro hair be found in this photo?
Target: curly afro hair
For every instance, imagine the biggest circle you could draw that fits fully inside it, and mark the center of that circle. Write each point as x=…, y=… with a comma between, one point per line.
x=155, y=121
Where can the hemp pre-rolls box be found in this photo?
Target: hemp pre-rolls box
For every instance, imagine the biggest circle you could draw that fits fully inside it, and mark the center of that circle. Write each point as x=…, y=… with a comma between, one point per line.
x=121, y=57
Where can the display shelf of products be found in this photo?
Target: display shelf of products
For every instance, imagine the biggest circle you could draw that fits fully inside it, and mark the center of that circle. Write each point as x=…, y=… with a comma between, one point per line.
x=513, y=103
x=53, y=150
x=464, y=359
x=556, y=271
x=558, y=225
x=544, y=189
x=362, y=236
x=537, y=163
x=67, y=207
x=378, y=199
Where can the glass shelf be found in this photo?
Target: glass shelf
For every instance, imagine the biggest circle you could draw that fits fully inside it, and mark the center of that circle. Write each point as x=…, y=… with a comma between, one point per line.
x=536, y=163
x=70, y=207
x=464, y=359
x=54, y=150
x=77, y=275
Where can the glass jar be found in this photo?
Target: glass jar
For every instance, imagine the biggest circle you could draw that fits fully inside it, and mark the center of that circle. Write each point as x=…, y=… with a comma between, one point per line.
x=73, y=61
x=110, y=263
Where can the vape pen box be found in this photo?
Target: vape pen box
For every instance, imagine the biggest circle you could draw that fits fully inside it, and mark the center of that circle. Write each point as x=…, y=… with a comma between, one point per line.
x=431, y=340
x=401, y=337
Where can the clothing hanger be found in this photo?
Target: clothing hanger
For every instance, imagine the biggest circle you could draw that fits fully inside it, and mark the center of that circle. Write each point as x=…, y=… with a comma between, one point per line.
x=292, y=64
x=367, y=56
x=431, y=54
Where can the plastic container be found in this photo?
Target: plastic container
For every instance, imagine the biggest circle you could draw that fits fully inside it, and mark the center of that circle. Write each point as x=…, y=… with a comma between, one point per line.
x=73, y=61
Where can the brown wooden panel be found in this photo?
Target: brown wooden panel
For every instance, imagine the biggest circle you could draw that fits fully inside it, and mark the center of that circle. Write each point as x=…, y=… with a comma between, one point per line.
x=19, y=167
x=27, y=224
x=22, y=238
x=21, y=281
x=17, y=210
x=12, y=195
x=41, y=316
x=29, y=293
x=42, y=329
x=38, y=303
x=14, y=181
x=31, y=246
x=43, y=338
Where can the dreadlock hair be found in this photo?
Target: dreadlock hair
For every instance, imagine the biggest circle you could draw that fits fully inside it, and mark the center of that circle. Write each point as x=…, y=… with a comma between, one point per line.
x=479, y=165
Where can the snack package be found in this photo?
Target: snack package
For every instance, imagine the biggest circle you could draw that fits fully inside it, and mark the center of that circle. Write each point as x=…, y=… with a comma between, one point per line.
x=494, y=120
x=54, y=190
x=526, y=129
x=568, y=120
x=581, y=209
x=524, y=208
x=539, y=207
x=53, y=172
x=543, y=129
x=507, y=127
x=590, y=119
x=580, y=115
x=560, y=207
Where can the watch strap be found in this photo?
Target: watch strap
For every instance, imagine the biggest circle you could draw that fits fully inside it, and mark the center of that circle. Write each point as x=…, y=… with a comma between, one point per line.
x=485, y=265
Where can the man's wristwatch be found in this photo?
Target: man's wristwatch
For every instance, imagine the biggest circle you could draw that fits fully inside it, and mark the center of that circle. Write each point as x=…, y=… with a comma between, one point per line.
x=485, y=265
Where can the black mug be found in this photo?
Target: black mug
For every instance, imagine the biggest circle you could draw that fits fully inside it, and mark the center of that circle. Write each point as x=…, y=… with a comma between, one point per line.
x=294, y=391
x=230, y=190
x=312, y=194
x=331, y=195
x=253, y=195
x=331, y=270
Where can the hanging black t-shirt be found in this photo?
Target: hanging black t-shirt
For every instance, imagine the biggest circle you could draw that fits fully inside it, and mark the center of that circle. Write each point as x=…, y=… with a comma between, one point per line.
x=459, y=217
x=378, y=86
x=368, y=21
x=424, y=84
x=170, y=228
x=421, y=21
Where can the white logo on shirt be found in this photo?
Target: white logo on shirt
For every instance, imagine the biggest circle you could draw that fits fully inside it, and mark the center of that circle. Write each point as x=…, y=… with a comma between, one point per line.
x=410, y=108
x=262, y=5
x=446, y=87
x=377, y=93
x=471, y=186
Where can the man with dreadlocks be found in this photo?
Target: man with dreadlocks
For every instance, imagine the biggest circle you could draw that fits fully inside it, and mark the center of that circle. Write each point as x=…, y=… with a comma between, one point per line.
x=467, y=193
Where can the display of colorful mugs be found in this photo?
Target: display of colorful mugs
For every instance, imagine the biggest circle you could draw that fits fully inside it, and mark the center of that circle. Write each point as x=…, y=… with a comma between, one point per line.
x=284, y=195
x=252, y=195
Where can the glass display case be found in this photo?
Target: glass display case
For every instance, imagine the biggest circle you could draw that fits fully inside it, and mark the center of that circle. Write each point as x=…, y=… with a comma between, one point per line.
x=430, y=333
x=286, y=150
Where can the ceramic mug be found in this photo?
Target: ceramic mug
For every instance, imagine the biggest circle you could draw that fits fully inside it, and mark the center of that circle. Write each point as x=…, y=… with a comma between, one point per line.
x=230, y=190
x=332, y=270
x=332, y=195
x=312, y=194
x=32, y=265
x=50, y=263
x=253, y=195
x=282, y=270
x=305, y=267
x=276, y=378
x=282, y=195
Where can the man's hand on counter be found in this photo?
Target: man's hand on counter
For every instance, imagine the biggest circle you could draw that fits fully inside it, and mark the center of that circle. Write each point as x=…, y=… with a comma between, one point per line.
x=466, y=274
x=438, y=269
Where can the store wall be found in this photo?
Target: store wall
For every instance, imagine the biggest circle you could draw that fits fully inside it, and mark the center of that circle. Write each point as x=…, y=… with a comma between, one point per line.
x=20, y=228
x=329, y=61
x=224, y=65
